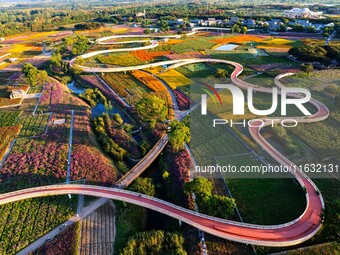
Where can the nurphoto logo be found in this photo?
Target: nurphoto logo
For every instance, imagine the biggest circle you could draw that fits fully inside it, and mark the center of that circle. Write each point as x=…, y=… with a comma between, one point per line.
x=289, y=96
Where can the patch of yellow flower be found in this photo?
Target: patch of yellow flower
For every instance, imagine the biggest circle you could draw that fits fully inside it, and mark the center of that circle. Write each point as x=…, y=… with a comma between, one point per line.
x=174, y=79
x=277, y=41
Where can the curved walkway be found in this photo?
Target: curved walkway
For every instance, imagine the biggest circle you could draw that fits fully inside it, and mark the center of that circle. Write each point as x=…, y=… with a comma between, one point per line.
x=139, y=168
x=291, y=233
x=278, y=235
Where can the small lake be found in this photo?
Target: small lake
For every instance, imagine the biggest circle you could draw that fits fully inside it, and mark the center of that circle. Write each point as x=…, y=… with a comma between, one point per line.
x=229, y=46
x=99, y=109
x=77, y=90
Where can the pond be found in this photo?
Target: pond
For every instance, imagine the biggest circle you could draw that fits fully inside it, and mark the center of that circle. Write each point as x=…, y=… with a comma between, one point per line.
x=77, y=90
x=229, y=46
x=99, y=109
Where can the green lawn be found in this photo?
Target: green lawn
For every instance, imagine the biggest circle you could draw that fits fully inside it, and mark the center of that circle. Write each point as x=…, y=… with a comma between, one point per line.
x=193, y=44
x=267, y=201
x=130, y=221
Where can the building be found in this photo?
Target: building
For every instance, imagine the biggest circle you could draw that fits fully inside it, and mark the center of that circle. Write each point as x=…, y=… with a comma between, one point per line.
x=274, y=24
x=301, y=13
x=17, y=93
x=141, y=14
x=249, y=23
x=211, y=21
x=13, y=60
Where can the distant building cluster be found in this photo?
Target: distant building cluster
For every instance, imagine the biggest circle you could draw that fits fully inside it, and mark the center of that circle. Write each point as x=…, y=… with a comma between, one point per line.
x=305, y=13
x=296, y=19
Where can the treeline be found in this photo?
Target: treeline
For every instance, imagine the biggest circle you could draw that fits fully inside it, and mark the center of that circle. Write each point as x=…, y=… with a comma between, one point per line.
x=116, y=139
x=16, y=22
x=106, y=17
x=108, y=144
x=88, y=26
x=316, y=53
x=94, y=97
x=155, y=242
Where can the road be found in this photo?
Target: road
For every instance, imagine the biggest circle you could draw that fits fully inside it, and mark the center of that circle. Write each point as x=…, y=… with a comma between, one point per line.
x=68, y=173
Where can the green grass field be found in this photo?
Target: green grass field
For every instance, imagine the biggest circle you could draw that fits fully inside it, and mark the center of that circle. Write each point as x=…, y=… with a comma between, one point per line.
x=193, y=44
x=267, y=201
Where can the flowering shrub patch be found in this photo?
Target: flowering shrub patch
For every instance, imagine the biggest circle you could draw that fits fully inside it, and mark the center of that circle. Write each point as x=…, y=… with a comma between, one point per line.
x=22, y=222
x=150, y=81
x=64, y=243
x=182, y=99
x=146, y=56
x=87, y=162
x=239, y=39
x=56, y=97
x=174, y=79
x=179, y=170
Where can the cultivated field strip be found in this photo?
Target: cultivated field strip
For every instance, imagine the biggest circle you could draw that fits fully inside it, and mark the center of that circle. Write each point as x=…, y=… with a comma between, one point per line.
x=97, y=231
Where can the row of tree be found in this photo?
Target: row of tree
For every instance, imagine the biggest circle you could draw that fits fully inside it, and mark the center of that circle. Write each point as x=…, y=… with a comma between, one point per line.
x=21, y=21
x=316, y=53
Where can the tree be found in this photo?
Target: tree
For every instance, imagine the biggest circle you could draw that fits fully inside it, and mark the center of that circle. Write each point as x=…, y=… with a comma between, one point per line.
x=178, y=135
x=200, y=186
x=118, y=118
x=33, y=75
x=143, y=185
x=218, y=206
x=221, y=73
x=56, y=58
x=307, y=68
x=164, y=26
x=151, y=109
x=282, y=28
x=42, y=77
x=147, y=31
x=244, y=30
x=76, y=70
x=235, y=29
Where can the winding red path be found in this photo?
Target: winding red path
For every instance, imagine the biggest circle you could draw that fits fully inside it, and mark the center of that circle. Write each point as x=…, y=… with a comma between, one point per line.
x=291, y=233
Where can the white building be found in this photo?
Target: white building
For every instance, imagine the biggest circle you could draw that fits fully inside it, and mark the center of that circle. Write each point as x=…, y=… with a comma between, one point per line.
x=17, y=93
x=141, y=14
x=301, y=13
